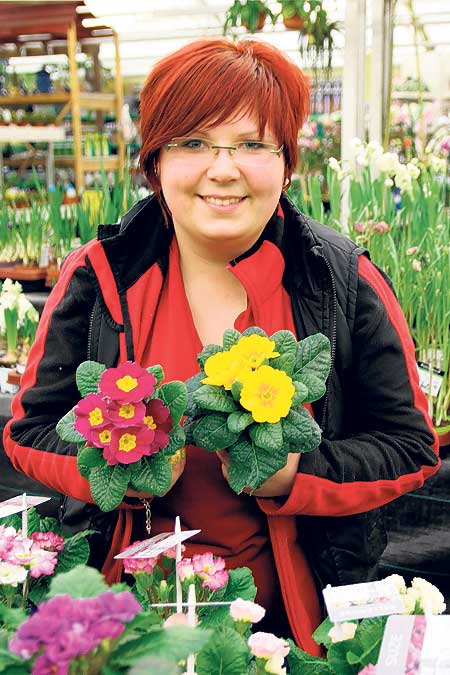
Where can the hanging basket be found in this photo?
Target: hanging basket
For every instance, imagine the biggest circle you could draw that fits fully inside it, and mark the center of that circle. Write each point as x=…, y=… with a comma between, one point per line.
x=295, y=22
x=261, y=21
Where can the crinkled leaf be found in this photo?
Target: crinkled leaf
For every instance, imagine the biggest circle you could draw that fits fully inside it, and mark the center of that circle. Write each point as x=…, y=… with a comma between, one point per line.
x=49, y=524
x=316, y=387
x=251, y=466
x=192, y=384
x=67, y=431
x=226, y=653
x=152, y=475
x=75, y=552
x=337, y=658
x=321, y=636
x=301, y=430
x=177, y=438
x=33, y=521
x=236, y=389
x=286, y=345
x=109, y=484
x=241, y=584
x=174, y=395
x=39, y=591
x=157, y=371
x=301, y=393
x=301, y=663
x=174, y=643
x=87, y=459
x=12, y=617
x=211, y=432
x=207, y=351
x=81, y=582
x=230, y=337
x=369, y=635
x=238, y=421
x=214, y=398
x=314, y=356
x=267, y=435
x=254, y=330
x=88, y=376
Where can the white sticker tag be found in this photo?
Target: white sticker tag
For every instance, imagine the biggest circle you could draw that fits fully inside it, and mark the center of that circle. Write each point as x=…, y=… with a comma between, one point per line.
x=153, y=547
x=15, y=504
x=360, y=601
x=430, y=379
x=43, y=260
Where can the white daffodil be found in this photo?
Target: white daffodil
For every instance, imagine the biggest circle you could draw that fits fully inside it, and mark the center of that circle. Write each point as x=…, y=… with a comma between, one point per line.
x=388, y=162
x=430, y=598
x=414, y=170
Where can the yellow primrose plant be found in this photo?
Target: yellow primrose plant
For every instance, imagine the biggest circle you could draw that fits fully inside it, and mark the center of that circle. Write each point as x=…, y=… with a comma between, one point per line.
x=249, y=399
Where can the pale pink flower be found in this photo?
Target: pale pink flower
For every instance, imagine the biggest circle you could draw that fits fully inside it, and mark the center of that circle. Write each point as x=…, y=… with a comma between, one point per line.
x=416, y=265
x=185, y=569
x=172, y=552
x=7, y=537
x=48, y=540
x=178, y=619
x=245, y=610
x=139, y=565
x=211, y=569
x=216, y=581
x=412, y=250
x=382, y=227
x=266, y=645
x=26, y=552
x=360, y=227
x=368, y=670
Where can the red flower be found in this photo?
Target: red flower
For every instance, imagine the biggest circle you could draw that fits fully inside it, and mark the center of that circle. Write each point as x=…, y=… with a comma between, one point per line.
x=157, y=417
x=90, y=414
x=127, y=383
x=129, y=444
x=126, y=414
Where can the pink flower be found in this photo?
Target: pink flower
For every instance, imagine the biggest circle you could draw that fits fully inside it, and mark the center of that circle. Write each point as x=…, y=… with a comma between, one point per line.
x=244, y=610
x=127, y=383
x=157, y=417
x=139, y=565
x=129, y=445
x=90, y=414
x=7, y=537
x=416, y=265
x=368, y=670
x=48, y=540
x=172, y=552
x=185, y=569
x=126, y=414
x=382, y=227
x=360, y=227
x=266, y=645
x=412, y=250
x=211, y=570
x=39, y=561
x=101, y=438
x=178, y=619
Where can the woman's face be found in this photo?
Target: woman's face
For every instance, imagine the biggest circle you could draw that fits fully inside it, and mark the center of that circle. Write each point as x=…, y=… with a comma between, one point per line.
x=219, y=205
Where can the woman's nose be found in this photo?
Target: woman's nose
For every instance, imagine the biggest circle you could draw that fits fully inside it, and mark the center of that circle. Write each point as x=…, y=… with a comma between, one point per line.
x=222, y=165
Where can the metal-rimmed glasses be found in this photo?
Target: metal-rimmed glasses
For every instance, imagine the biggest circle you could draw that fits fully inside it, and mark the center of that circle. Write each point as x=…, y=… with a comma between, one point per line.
x=199, y=151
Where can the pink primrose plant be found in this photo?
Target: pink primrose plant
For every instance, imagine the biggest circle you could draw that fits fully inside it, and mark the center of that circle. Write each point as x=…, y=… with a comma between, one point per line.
x=127, y=383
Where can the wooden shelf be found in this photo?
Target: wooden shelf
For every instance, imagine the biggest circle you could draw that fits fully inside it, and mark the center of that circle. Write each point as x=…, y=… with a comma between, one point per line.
x=14, y=133
x=24, y=100
x=89, y=163
x=22, y=273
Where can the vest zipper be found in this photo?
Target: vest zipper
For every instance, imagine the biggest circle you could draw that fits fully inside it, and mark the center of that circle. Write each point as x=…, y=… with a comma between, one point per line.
x=333, y=336
x=89, y=339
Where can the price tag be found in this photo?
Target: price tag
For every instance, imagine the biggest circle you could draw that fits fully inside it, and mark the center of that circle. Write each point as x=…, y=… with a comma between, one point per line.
x=430, y=379
x=361, y=601
x=153, y=547
x=15, y=504
x=43, y=260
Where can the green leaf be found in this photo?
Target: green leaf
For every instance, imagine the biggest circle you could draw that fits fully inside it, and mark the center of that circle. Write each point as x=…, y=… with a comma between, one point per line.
x=75, y=552
x=174, y=394
x=108, y=485
x=153, y=664
x=11, y=617
x=254, y=330
x=251, y=466
x=286, y=345
x=301, y=393
x=88, y=376
x=66, y=430
x=316, y=387
x=11, y=664
x=241, y=584
x=225, y=654
x=173, y=644
x=207, y=351
x=192, y=384
x=152, y=475
x=34, y=521
x=267, y=435
x=211, y=432
x=238, y=421
x=214, y=398
x=87, y=459
x=81, y=582
x=158, y=372
x=230, y=337
x=236, y=389
x=314, y=356
x=321, y=636
x=369, y=635
x=301, y=430
x=301, y=663
x=177, y=439
x=337, y=658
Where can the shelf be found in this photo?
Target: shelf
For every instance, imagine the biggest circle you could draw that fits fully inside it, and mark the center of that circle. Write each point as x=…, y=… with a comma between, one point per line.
x=31, y=134
x=412, y=96
x=96, y=101
x=22, y=273
x=24, y=100
x=89, y=163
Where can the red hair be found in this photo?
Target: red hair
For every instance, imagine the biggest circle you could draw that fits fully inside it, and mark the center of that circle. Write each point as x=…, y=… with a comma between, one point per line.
x=208, y=82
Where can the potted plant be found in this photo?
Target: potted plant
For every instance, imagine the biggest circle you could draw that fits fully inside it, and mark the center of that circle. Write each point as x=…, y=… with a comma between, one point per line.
x=294, y=14
x=251, y=14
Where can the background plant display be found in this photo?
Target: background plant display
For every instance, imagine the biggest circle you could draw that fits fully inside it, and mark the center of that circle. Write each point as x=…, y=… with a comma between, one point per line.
x=127, y=429
x=18, y=321
x=249, y=396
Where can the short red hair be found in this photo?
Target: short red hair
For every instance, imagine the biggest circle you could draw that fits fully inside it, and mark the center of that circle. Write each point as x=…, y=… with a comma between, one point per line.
x=210, y=81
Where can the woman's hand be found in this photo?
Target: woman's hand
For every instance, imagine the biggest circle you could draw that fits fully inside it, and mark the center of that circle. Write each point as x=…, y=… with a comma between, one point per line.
x=178, y=462
x=278, y=485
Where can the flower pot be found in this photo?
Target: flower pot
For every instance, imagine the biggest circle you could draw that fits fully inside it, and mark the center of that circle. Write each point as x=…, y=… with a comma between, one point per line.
x=295, y=22
x=443, y=434
x=10, y=358
x=261, y=21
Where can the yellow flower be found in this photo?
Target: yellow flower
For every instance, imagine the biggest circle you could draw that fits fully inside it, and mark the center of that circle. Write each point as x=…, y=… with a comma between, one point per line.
x=254, y=349
x=267, y=393
x=224, y=368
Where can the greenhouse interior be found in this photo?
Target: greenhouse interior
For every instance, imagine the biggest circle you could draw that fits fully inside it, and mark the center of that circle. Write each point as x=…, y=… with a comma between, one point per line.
x=240, y=211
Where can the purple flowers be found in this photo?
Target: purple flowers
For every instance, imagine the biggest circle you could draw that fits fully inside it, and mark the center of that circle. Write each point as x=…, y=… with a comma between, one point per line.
x=65, y=628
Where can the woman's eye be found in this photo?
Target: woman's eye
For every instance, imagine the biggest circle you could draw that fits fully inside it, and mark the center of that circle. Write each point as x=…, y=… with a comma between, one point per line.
x=252, y=145
x=193, y=144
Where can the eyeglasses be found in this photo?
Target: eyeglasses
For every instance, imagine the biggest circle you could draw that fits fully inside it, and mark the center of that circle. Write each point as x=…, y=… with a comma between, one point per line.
x=247, y=153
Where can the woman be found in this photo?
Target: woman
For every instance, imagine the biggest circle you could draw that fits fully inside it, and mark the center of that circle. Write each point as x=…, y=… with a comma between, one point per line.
x=220, y=245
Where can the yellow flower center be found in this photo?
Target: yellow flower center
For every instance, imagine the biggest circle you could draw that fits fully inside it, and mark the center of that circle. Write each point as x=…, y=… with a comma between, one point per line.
x=126, y=383
x=105, y=436
x=127, y=442
x=126, y=411
x=150, y=422
x=254, y=350
x=95, y=417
